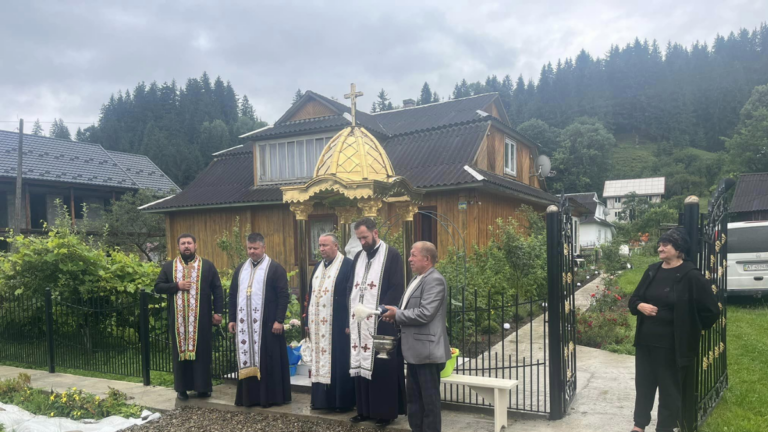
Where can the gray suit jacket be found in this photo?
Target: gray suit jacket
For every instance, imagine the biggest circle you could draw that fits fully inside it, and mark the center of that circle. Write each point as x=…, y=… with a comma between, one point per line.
x=423, y=334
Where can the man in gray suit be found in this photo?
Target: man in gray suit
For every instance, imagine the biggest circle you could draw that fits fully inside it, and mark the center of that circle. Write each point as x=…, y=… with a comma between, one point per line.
x=421, y=316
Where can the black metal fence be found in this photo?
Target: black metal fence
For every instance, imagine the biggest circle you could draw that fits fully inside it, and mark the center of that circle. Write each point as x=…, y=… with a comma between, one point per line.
x=128, y=336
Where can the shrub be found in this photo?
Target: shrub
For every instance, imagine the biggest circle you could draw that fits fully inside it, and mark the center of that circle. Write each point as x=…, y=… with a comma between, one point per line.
x=606, y=323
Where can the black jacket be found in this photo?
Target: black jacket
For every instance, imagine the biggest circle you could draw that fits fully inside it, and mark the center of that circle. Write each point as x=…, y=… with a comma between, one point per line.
x=696, y=308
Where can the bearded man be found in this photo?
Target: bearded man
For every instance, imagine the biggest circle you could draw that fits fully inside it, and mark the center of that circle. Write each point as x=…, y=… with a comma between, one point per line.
x=194, y=291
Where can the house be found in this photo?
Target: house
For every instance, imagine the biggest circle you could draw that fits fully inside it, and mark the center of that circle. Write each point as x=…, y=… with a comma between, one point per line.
x=750, y=201
x=616, y=192
x=473, y=167
x=74, y=172
x=593, y=228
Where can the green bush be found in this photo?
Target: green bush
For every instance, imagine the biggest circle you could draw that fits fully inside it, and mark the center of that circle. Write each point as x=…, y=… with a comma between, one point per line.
x=510, y=268
x=606, y=323
x=72, y=264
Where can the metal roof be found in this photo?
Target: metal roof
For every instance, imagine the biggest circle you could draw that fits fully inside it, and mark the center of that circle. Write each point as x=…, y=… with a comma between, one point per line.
x=144, y=172
x=643, y=187
x=66, y=161
x=751, y=193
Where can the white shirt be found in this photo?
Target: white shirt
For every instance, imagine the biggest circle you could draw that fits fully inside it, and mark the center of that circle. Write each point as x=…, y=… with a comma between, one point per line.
x=411, y=288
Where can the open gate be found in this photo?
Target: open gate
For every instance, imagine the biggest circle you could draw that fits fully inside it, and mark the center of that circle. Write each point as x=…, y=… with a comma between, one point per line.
x=562, y=313
x=709, y=246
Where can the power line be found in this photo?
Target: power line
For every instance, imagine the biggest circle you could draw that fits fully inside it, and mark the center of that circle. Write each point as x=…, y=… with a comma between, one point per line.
x=49, y=122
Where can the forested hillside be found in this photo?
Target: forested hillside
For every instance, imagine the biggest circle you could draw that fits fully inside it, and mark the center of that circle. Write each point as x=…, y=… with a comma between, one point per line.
x=177, y=127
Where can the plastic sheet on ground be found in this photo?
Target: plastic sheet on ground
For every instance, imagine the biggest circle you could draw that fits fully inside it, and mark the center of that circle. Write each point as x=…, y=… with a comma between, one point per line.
x=19, y=420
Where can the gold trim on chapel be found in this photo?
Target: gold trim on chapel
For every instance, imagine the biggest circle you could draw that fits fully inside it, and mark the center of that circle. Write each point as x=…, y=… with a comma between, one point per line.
x=353, y=172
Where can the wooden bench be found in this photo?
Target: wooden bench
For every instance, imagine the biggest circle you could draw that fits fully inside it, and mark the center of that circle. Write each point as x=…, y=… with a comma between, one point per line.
x=495, y=390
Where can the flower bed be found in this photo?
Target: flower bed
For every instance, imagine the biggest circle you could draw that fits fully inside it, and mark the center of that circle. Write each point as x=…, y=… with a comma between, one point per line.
x=73, y=403
x=607, y=323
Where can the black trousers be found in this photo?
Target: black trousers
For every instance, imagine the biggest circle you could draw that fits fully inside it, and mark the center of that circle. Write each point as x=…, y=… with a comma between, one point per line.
x=423, y=389
x=656, y=368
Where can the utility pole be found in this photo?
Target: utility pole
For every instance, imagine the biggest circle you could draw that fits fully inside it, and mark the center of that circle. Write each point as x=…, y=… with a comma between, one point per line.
x=18, y=179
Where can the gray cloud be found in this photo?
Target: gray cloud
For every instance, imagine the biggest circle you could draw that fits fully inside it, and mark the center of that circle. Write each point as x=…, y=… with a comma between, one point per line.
x=64, y=59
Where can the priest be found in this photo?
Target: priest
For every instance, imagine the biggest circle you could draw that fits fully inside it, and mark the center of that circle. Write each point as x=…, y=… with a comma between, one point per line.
x=378, y=279
x=328, y=328
x=258, y=301
x=194, y=291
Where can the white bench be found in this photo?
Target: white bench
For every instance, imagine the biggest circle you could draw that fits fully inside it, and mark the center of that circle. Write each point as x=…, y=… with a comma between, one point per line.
x=495, y=390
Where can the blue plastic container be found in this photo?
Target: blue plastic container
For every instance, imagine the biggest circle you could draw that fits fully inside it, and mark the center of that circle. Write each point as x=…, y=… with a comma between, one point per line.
x=294, y=355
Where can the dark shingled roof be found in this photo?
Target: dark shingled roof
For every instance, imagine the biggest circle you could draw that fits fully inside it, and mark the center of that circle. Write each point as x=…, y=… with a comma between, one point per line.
x=429, y=145
x=227, y=180
x=751, y=193
x=434, y=115
x=58, y=160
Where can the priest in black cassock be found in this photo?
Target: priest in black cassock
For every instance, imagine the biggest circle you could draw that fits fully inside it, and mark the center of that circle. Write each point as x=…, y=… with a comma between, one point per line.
x=258, y=300
x=194, y=291
x=328, y=328
x=379, y=278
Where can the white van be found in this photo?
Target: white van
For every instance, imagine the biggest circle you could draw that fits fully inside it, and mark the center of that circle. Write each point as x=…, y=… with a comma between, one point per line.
x=748, y=258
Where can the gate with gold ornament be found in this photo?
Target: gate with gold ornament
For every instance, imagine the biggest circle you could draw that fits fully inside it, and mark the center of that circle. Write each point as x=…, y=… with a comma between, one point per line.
x=561, y=318
x=709, y=246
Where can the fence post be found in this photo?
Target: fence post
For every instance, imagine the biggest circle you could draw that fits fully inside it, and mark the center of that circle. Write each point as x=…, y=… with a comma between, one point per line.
x=691, y=225
x=554, y=303
x=49, y=330
x=144, y=334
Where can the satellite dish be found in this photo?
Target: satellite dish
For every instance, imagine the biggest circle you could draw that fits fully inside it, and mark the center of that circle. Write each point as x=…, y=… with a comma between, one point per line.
x=543, y=167
x=606, y=212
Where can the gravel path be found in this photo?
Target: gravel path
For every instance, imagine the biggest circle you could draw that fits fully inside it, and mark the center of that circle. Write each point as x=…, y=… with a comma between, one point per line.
x=204, y=419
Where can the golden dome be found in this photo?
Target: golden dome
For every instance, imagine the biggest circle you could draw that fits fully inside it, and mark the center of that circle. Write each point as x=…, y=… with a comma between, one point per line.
x=354, y=154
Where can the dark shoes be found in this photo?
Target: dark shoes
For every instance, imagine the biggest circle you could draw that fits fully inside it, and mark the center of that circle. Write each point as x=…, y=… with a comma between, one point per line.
x=383, y=423
x=182, y=396
x=203, y=394
x=358, y=419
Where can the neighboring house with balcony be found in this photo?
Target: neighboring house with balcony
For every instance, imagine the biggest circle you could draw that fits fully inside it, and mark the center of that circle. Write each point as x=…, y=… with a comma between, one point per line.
x=616, y=192
x=594, y=228
x=75, y=173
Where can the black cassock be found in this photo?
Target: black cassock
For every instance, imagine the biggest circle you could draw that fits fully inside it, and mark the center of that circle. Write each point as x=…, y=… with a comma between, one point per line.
x=194, y=375
x=340, y=393
x=383, y=396
x=275, y=384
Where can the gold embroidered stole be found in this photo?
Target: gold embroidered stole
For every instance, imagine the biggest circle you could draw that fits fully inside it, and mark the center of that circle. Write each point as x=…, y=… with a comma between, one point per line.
x=187, y=307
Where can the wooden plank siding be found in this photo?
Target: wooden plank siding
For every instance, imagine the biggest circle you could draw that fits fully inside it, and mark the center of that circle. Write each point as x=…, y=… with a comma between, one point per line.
x=312, y=109
x=490, y=157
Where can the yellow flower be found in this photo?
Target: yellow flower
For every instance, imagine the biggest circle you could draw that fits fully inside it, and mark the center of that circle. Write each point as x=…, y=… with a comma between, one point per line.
x=51, y=414
x=74, y=388
x=53, y=396
x=77, y=398
x=64, y=400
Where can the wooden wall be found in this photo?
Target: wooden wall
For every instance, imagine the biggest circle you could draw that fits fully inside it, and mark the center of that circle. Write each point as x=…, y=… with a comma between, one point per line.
x=312, y=109
x=491, y=157
x=482, y=211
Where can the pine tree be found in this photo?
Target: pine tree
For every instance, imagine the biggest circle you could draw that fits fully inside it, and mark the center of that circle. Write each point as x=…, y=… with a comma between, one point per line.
x=426, y=95
x=435, y=97
x=373, y=107
x=246, y=109
x=37, y=128
x=297, y=96
x=59, y=130
x=382, y=103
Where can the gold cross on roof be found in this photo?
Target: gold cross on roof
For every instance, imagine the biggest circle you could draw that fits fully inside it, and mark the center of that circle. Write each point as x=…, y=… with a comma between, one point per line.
x=353, y=95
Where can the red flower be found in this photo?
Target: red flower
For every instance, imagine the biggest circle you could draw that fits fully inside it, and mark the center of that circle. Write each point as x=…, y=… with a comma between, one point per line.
x=618, y=297
x=593, y=294
x=590, y=323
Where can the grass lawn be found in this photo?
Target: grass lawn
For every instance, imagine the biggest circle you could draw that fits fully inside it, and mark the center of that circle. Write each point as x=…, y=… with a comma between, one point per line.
x=162, y=379
x=744, y=406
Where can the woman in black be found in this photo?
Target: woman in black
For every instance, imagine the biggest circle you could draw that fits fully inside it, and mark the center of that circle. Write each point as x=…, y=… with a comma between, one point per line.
x=673, y=303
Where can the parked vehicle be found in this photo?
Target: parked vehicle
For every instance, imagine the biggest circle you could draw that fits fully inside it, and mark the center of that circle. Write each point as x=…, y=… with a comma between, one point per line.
x=747, y=244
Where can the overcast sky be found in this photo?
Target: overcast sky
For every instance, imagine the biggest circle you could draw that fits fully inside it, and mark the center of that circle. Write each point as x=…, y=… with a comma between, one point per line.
x=64, y=59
